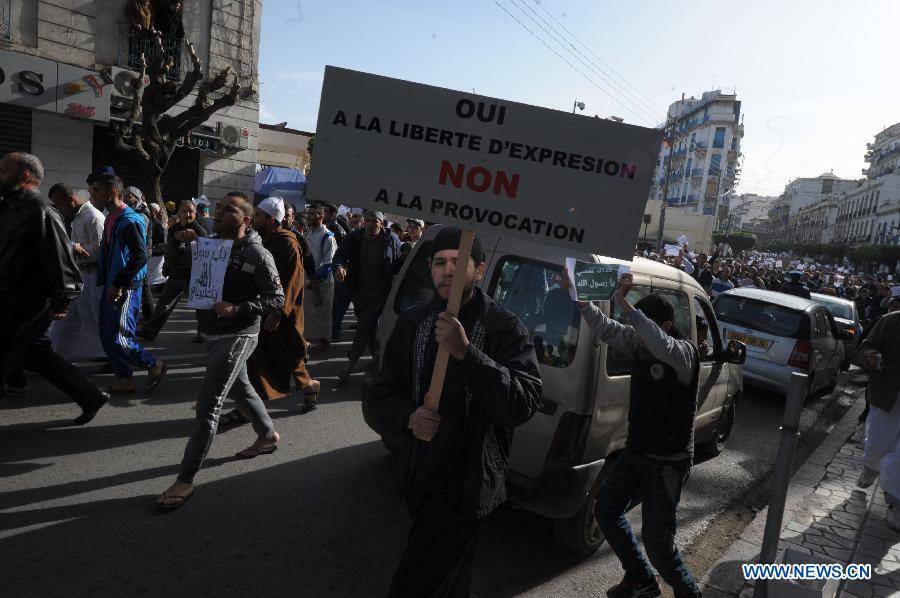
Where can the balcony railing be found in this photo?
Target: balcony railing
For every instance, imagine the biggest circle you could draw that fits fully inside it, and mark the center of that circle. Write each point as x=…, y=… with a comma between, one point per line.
x=134, y=43
x=696, y=172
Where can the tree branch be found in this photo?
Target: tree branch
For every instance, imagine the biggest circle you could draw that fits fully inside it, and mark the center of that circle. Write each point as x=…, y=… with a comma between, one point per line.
x=181, y=124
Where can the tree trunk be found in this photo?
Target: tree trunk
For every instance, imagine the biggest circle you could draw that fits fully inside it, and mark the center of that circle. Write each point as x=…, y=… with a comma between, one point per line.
x=156, y=191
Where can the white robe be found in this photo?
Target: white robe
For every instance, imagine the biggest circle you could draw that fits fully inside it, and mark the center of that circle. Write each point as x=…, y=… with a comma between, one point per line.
x=317, y=318
x=882, y=452
x=77, y=336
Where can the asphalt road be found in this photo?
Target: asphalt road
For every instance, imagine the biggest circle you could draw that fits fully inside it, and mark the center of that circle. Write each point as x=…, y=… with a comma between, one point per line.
x=320, y=517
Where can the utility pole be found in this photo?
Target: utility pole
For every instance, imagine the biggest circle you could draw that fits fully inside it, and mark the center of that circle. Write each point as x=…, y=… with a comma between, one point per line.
x=662, y=210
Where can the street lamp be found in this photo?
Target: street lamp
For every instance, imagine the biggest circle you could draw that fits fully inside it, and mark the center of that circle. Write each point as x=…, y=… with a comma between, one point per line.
x=579, y=105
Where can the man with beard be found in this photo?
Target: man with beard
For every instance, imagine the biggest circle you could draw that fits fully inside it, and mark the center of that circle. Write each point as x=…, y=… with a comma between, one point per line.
x=278, y=358
x=455, y=465
x=367, y=260
x=121, y=268
x=317, y=313
x=77, y=336
x=177, y=266
x=38, y=279
x=251, y=291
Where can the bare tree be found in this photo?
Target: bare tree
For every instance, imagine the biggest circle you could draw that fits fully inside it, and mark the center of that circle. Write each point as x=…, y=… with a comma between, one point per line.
x=153, y=141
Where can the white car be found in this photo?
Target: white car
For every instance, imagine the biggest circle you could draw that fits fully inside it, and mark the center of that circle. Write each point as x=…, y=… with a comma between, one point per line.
x=783, y=334
x=846, y=316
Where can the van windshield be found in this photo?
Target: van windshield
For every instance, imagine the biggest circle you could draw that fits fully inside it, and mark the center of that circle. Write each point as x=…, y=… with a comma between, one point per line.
x=531, y=290
x=760, y=316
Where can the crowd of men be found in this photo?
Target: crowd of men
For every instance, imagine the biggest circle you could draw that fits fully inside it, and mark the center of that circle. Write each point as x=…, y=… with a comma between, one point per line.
x=88, y=277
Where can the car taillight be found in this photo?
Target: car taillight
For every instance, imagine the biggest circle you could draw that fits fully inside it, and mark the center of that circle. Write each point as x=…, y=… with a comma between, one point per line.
x=800, y=355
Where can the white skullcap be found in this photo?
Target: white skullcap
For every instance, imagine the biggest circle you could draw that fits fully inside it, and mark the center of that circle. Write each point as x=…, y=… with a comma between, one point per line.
x=274, y=207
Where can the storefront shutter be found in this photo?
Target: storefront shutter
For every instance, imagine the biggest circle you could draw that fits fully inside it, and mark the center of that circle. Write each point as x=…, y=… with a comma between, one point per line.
x=15, y=129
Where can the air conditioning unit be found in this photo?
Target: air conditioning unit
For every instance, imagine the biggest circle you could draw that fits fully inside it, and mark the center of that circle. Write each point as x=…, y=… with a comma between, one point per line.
x=234, y=137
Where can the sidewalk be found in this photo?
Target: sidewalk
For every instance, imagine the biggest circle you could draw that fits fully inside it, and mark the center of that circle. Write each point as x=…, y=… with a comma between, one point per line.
x=825, y=515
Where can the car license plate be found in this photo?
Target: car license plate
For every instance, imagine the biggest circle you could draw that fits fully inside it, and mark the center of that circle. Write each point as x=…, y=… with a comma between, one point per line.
x=750, y=341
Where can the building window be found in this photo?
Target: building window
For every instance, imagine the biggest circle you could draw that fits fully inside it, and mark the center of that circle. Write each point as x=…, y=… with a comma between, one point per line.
x=715, y=164
x=827, y=185
x=719, y=140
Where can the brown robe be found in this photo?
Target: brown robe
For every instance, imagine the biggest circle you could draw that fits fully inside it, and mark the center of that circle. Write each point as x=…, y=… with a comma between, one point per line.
x=278, y=357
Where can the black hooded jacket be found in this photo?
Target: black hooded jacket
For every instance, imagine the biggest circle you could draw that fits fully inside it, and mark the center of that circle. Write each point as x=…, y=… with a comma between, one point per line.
x=486, y=394
x=36, y=259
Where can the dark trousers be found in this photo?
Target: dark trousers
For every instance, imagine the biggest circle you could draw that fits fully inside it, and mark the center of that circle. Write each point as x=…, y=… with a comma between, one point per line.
x=659, y=485
x=367, y=315
x=146, y=300
x=341, y=305
x=439, y=554
x=165, y=305
x=24, y=341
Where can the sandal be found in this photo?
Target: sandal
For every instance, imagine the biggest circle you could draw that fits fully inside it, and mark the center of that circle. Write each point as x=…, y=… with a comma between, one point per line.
x=154, y=380
x=179, y=499
x=233, y=418
x=255, y=451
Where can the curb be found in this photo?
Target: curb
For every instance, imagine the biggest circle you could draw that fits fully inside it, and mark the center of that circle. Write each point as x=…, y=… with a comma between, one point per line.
x=725, y=577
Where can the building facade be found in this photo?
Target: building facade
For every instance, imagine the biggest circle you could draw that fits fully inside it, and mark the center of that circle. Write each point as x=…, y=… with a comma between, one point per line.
x=814, y=224
x=749, y=208
x=883, y=155
x=870, y=213
x=285, y=147
x=704, y=152
x=69, y=66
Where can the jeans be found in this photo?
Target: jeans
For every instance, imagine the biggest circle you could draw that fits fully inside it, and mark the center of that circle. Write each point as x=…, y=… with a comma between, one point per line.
x=659, y=484
x=226, y=367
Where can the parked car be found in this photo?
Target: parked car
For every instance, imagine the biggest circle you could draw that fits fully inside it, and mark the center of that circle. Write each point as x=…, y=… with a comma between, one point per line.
x=846, y=316
x=783, y=334
x=559, y=457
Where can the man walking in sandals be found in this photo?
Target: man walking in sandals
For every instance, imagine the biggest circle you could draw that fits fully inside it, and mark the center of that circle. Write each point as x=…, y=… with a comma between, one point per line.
x=251, y=290
x=121, y=268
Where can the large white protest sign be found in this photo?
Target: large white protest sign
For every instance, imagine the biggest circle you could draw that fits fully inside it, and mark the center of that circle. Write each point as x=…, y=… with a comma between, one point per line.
x=479, y=163
x=209, y=260
x=672, y=250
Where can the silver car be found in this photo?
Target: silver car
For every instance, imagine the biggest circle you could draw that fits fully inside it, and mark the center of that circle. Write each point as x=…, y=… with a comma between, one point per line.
x=846, y=316
x=560, y=457
x=783, y=334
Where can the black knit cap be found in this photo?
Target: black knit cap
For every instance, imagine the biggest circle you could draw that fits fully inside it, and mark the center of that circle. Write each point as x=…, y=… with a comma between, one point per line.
x=449, y=238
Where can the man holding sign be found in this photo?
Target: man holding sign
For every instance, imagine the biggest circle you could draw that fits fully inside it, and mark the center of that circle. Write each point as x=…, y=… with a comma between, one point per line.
x=659, y=450
x=251, y=289
x=455, y=473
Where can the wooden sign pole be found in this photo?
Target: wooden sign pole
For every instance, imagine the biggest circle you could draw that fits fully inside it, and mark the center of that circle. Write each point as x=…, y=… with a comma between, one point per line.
x=433, y=398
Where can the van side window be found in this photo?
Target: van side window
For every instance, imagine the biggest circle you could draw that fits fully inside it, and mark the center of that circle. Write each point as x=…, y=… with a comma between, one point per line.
x=708, y=341
x=619, y=363
x=416, y=288
x=821, y=328
x=531, y=290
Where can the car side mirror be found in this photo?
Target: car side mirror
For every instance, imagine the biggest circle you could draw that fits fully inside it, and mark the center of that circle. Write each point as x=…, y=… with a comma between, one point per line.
x=735, y=353
x=846, y=334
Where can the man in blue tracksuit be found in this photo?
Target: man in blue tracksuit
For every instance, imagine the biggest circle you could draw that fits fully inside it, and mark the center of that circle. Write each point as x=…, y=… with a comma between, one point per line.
x=121, y=268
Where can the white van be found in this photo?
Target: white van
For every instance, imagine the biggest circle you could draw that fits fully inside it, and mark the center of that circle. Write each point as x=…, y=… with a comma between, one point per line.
x=561, y=455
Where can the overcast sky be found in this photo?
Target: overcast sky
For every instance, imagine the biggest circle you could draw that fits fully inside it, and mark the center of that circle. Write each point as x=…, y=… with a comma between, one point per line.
x=817, y=79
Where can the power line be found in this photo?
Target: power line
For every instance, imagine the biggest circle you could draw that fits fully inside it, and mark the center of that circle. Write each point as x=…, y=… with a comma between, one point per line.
x=565, y=43
x=563, y=58
x=612, y=70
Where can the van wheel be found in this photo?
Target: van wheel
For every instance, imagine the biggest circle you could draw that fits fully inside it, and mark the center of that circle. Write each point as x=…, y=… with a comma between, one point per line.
x=715, y=445
x=581, y=533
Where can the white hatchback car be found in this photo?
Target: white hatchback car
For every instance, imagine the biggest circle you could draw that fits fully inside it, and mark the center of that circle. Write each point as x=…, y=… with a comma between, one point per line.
x=783, y=334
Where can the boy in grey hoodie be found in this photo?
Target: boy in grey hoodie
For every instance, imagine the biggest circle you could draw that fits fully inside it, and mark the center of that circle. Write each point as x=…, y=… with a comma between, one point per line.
x=251, y=289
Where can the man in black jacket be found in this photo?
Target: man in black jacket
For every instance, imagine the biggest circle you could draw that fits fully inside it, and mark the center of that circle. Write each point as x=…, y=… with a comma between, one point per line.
x=38, y=279
x=366, y=263
x=456, y=458
x=177, y=266
x=659, y=450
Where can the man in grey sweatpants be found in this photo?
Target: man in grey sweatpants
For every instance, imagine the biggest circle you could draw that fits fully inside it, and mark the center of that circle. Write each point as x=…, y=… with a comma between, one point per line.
x=251, y=290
